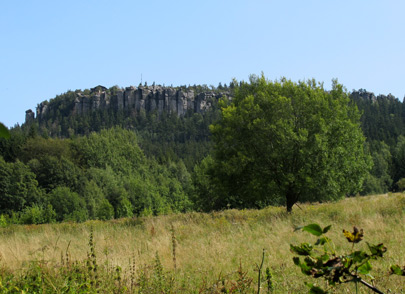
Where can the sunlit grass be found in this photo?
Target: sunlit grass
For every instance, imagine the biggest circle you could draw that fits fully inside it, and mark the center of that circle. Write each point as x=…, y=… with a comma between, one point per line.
x=214, y=245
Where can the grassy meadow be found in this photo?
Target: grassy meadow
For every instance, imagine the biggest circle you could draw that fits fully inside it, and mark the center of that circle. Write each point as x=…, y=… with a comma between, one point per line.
x=195, y=252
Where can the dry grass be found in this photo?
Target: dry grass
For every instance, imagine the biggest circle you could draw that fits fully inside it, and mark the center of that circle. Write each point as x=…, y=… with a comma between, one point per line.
x=210, y=245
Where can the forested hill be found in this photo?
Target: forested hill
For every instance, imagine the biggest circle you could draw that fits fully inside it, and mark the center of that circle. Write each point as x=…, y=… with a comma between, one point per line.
x=383, y=116
x=173, y=122
x=147, y=150
x=83, y=111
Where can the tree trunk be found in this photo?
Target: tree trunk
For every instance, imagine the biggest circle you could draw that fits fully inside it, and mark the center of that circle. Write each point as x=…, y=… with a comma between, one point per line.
x=291, y=199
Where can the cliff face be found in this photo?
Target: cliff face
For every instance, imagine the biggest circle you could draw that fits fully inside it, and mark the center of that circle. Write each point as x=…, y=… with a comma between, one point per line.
x=152, y=98
x=371, y=97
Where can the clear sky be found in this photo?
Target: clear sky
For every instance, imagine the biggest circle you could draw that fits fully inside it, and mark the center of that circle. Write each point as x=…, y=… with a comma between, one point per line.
x=49, y=47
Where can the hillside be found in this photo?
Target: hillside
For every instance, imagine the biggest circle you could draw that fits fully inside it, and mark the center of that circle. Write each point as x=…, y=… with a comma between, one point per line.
x=383, y=115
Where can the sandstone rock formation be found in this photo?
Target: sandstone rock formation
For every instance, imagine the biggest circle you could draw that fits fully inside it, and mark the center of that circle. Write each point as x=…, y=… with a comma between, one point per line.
x=142, y=98
x=29, y=116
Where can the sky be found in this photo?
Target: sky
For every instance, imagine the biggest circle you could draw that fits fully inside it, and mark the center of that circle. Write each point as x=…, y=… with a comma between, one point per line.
x=50, y=47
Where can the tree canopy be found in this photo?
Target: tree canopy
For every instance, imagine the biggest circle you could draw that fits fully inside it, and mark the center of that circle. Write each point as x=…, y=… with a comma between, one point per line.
x=4, y=133
x=283, y=142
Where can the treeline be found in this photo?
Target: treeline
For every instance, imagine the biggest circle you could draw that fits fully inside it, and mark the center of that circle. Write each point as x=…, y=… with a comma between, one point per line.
x=165, y=137
x=383, y=124
x=101, y=176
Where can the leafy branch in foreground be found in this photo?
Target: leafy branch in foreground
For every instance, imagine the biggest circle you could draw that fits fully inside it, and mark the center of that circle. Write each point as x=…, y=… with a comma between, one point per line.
x=321, y=260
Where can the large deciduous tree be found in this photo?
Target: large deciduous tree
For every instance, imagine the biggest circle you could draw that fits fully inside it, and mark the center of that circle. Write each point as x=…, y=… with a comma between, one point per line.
x=283, y=142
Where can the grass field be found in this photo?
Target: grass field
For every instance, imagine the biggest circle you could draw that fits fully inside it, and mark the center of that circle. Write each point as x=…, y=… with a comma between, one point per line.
x=214, y=252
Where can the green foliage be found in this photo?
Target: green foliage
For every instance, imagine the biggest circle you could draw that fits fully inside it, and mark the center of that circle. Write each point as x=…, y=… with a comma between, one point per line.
x=283, y=142
x=269, y=281
x=397, y=270
x=18, y=186
x=41, y=147
x=115, y=147
x=94, y=196
x=37, y=214
x=321, y=259
x=97, y=172
x=204, y=194
x=124, y=208
x=3, y=221
x=383, y=116
x=380, y=178
x=4, y=132
x=105, y=210
x=399, y=159
x=401, y=184
x=155, y=161
x=68, y=205
x=11, y=148
x=52, y=172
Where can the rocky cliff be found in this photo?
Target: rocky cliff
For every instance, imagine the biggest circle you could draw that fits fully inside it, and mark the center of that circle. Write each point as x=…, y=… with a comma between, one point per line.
x=142, y=98
x=370, y=96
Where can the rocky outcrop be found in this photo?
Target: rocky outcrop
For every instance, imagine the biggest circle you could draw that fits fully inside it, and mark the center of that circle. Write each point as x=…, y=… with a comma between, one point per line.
x=29, y=116
x=138, y=99
x=42, y=109
x=362, y=94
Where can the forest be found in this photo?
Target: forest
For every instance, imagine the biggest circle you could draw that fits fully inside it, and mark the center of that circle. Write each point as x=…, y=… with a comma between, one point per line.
x=109, y=164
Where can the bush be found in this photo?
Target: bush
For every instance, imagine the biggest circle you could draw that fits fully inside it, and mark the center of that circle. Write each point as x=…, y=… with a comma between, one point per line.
x=105, y=210
x=401, y=184
x=38, y=214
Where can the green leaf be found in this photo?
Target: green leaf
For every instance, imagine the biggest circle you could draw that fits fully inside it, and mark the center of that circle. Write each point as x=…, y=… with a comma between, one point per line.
x=4, y=133
x=322, y=240
x=305, y=269
x=303, y=249
x=326, y=229
x=314, y=229
x=296, y=261
x=396, y=270
x=324, y=257
x=377, y=250
x=358, y=256
x=365, y=268
x=309, y=262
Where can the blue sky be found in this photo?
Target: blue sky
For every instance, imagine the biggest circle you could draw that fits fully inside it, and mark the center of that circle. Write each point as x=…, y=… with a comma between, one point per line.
x=49, y=47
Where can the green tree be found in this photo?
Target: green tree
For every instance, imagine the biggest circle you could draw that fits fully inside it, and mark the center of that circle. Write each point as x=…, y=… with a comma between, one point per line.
x=105, y=210
x=93, y=195
x=284, y=142
x=204, y=194
x=52, y=172
x=4, y=133
x=11, y=148
x=18, y=186
x=399, y=159
x=379, y=180
x=68, y=205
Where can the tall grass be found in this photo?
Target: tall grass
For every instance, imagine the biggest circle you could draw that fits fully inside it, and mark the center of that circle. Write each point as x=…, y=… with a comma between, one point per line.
x=197, y=252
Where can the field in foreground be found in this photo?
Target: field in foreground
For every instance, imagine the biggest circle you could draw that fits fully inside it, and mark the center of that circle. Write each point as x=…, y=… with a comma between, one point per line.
x=213, y=252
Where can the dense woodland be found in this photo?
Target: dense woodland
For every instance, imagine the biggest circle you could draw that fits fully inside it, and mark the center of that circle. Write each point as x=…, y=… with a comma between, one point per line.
x=112, y=164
